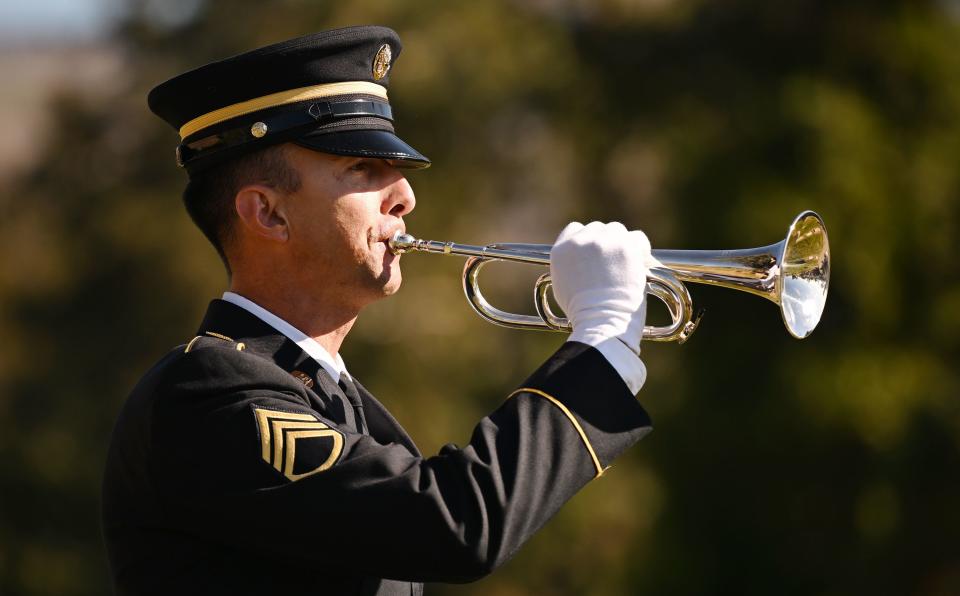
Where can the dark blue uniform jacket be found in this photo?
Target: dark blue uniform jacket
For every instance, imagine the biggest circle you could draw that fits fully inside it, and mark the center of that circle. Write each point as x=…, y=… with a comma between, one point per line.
x=238, y=466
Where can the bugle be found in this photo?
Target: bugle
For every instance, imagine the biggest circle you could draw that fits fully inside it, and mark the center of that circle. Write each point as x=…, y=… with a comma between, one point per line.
x=793, y=273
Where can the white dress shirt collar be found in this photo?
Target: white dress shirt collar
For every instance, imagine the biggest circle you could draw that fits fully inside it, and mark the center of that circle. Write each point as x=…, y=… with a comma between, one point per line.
x=332, y=364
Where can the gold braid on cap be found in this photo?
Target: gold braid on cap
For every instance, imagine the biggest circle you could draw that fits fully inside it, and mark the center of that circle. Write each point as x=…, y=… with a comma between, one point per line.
x=278, y=99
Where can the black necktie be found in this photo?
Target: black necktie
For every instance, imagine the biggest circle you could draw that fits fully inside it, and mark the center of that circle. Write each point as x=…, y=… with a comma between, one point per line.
x=353, y=396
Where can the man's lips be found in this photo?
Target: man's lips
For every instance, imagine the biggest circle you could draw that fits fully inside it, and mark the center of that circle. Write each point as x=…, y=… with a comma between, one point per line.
x=393, y=232
x=380, y=242
x=386, y=236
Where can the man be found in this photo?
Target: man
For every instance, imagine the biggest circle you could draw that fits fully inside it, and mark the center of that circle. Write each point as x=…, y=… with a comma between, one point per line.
x=248, y=460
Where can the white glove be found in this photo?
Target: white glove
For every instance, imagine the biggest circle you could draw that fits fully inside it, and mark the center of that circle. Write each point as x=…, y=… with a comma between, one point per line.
x=599, y=280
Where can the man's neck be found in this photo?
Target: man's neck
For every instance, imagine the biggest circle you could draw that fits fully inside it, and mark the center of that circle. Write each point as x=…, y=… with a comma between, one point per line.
x=327, y=325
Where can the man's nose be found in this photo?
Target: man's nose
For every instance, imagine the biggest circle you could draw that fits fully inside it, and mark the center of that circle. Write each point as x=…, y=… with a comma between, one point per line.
x=399, y=199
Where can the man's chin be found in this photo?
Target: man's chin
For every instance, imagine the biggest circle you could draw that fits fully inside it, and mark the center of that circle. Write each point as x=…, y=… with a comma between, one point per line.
x=389, y=281
x=393, y=285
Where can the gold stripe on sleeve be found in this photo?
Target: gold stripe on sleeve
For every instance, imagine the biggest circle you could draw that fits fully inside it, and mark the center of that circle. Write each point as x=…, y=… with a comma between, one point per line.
x=279, y=99
x=291, y=451
x=573, y=419
x=263, y=422
x=278, y=427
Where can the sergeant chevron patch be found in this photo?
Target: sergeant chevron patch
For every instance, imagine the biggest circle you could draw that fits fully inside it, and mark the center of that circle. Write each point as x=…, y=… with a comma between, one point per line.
x=297, y=445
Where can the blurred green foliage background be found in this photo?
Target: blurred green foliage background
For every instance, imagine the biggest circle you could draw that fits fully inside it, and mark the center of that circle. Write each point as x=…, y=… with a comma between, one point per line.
x=828, y=466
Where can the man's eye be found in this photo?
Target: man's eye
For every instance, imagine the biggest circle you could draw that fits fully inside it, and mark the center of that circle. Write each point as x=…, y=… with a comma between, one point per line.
x=360, y=166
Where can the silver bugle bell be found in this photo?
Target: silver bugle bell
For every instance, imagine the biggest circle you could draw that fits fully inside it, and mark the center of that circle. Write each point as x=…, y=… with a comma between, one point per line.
x=793, y=273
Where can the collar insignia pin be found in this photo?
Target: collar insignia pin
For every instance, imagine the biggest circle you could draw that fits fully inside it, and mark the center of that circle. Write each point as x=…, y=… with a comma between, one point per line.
x=303, y=377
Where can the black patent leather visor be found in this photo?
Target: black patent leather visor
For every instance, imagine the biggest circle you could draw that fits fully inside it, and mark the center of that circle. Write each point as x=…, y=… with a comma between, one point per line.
x=366, y=143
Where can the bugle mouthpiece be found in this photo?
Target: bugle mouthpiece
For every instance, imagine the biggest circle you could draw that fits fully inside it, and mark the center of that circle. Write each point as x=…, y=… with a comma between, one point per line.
x=401, y=243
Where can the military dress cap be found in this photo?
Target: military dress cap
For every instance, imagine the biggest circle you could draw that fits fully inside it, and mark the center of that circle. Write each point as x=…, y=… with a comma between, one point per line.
x=326, y=91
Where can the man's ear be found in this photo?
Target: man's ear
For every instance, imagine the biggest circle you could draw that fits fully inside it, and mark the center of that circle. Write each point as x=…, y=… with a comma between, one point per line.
x=256, y=206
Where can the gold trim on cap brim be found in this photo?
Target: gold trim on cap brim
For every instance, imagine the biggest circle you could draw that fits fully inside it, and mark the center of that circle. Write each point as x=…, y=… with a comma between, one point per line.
x=279, y=99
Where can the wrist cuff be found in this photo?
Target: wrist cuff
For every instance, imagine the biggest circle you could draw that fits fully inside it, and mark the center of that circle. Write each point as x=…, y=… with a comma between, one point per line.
x=627, y=364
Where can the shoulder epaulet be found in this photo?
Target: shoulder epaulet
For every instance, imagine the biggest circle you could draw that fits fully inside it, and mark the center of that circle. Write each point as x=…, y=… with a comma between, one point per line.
x=239, y=345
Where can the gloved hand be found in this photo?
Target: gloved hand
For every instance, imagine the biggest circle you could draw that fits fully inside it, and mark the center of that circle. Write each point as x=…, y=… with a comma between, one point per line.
x=599, y=280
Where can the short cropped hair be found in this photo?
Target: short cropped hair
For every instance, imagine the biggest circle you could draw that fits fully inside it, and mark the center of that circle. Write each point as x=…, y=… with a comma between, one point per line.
x=209, y=195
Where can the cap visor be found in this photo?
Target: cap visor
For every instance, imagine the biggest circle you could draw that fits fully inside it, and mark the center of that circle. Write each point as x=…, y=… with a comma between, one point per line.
x=366, y=143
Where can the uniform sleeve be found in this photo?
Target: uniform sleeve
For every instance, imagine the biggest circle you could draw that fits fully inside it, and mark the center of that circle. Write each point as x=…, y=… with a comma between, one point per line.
x=255, y=467
x=628, y=364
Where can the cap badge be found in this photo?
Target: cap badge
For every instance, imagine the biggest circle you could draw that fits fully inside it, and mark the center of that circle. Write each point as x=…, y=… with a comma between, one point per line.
x=258, y=129
x=381, y=62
